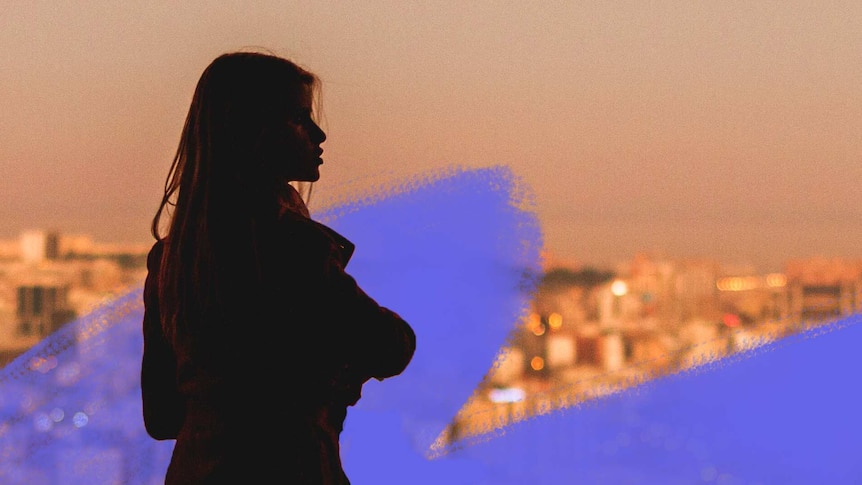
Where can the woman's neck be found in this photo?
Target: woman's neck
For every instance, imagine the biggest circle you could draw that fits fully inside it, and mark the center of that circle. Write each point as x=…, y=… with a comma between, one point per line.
x=289, y=199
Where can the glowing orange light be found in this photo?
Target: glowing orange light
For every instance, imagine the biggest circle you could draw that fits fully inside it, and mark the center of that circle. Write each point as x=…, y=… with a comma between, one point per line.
x=776, y=280
x=739, y=283
x=731, y=320
x=555, y=321
x=537, y=363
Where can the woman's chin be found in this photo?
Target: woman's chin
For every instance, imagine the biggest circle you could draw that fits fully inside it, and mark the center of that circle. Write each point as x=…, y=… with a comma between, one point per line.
x=306, y=177
x=315, y=175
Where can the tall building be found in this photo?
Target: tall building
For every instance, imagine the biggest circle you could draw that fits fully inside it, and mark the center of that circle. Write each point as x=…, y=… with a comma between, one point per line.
x=38, y=246
x=42, y=309
x=823, y=289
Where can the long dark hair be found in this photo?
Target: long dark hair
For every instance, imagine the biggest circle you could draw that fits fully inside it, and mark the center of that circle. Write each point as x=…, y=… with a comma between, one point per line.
x=223, y=187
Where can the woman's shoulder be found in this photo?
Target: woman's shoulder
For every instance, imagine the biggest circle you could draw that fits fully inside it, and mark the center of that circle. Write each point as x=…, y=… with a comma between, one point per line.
x=299, y=229
x=313, y=237
x=155, y=254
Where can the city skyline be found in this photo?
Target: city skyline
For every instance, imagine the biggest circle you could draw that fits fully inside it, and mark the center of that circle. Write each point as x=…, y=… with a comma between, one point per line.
x=29, y=245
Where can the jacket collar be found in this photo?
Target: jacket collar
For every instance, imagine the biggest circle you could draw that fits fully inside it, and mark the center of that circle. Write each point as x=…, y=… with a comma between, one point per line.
x=291, y=201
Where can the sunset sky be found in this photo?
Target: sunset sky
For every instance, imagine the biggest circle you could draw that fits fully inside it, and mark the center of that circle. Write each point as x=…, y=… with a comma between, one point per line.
x=727, y=129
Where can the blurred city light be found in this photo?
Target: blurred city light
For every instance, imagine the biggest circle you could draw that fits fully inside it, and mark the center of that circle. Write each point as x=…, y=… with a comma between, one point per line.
x=619, y=288
x=555, y=321
x=506, y=395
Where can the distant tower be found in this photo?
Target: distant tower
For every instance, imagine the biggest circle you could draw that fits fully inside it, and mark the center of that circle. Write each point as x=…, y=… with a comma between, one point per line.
x=42, y=309
x=38, y=246
x=823, y=289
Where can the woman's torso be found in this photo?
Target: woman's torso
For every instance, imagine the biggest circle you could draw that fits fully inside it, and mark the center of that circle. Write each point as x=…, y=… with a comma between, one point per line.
x=263, y=402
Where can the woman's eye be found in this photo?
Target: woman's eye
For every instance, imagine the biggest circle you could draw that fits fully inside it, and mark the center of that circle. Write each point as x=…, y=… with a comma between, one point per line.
x=302, y=117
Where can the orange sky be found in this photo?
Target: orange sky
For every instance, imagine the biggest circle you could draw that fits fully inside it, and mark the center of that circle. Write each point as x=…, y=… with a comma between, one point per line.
x=724, y=129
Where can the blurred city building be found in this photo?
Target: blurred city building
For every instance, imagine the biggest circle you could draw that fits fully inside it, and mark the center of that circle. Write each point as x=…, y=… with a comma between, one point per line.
x=48, y=279
x=39, y=246
x=821, y=288
x=590, y=332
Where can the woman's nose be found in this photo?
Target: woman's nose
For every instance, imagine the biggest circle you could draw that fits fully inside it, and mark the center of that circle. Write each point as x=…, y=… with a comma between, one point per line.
x=321, y=134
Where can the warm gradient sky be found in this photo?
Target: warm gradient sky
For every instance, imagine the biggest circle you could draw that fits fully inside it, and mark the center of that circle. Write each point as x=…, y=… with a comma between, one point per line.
x=729, y=129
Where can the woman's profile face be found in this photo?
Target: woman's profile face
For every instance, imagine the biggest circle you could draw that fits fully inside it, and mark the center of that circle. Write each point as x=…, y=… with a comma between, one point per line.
x=302, y=140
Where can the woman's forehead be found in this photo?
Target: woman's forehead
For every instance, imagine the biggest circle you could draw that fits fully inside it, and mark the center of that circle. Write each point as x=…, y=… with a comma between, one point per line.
x=305, y=97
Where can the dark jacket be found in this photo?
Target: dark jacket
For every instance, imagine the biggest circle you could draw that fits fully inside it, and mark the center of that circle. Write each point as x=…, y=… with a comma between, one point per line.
x=269, y=401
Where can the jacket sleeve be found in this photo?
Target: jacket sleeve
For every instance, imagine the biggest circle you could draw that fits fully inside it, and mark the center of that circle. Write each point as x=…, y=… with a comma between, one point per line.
x=163, y=408
x=380, y=343
x=351, y=328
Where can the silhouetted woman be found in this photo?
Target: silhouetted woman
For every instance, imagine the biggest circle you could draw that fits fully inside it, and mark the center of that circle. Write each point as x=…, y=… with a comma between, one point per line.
x=255, y=339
